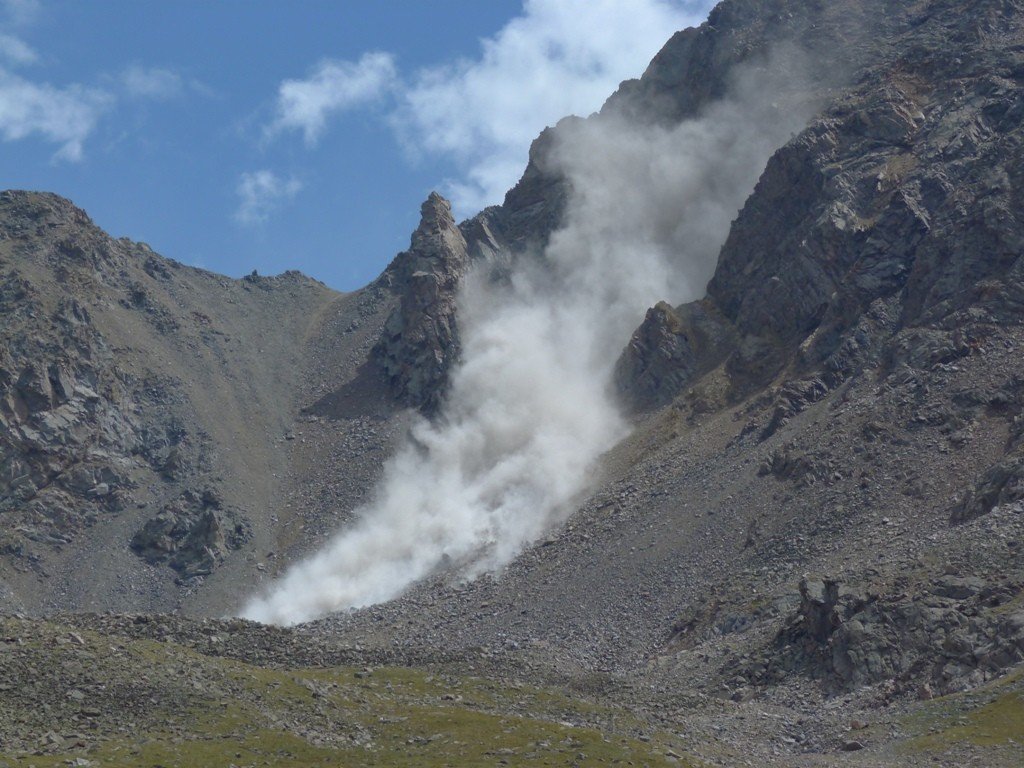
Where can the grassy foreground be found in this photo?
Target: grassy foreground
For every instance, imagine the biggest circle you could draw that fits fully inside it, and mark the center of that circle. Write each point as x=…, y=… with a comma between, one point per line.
x=71, y=697
x=990, y=717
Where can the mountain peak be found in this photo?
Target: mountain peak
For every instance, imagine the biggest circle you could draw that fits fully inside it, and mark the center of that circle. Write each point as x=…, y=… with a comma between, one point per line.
x=23, y=211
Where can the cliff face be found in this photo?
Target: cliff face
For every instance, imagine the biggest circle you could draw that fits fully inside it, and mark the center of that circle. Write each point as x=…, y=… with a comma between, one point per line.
x=903, y=191
x=420, y=342
x=905, y=188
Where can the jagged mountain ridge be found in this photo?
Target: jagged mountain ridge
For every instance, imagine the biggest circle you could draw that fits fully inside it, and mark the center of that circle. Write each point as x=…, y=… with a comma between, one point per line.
x=849, y=388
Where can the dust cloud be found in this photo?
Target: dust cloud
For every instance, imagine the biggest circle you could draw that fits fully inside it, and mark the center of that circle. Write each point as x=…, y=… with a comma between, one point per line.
x=530, y=409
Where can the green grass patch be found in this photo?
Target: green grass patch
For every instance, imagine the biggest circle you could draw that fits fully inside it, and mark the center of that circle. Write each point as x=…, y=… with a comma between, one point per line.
x=204, y=710
x=991, y=716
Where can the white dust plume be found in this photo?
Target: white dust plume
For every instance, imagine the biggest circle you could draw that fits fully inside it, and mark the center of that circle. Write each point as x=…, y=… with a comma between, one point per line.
x=530, y=409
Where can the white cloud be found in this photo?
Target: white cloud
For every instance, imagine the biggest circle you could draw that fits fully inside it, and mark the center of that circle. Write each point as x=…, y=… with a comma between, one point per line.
x=16, y=51
x=261, y=193
x=151, y=83
x=333, y=86
x=64, y=116
x=559, y=57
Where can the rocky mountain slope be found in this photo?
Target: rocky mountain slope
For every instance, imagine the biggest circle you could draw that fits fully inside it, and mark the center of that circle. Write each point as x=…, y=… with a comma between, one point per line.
x=174, y=433
x=815, y=531
x=140, y=411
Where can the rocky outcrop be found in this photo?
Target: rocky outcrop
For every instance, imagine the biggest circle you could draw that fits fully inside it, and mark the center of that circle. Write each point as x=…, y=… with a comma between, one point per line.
x=69, y=429
x=954, y=634
x=893, y=213
x=192, y=534
x=1001, y=484
x=657, y=362
x=420, y=341
x=534, y=208
x=892, y=195
x=668, y=351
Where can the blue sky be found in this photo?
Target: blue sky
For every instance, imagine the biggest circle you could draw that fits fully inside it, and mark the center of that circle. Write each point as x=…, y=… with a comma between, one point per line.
x=243, y=134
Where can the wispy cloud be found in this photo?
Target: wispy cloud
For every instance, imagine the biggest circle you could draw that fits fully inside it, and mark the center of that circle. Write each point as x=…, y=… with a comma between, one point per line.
x=16, y=51
x=15, y=17
x=20, y=13
x=262, y=192
x=332, y=87
x=64, y=116
x=29, y=108
x=558, y=57
x=151, y=82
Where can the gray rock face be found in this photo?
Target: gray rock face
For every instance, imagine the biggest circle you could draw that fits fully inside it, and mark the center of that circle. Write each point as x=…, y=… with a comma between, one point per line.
x=890, y=193
x=534, y=207
x=945, y=640
x=890, y=225
x=658, y=360
x=68, y=427
x=1001, y=484
x=819, y=608
x=669, y=350
x=192, y=534
x=420, y=342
